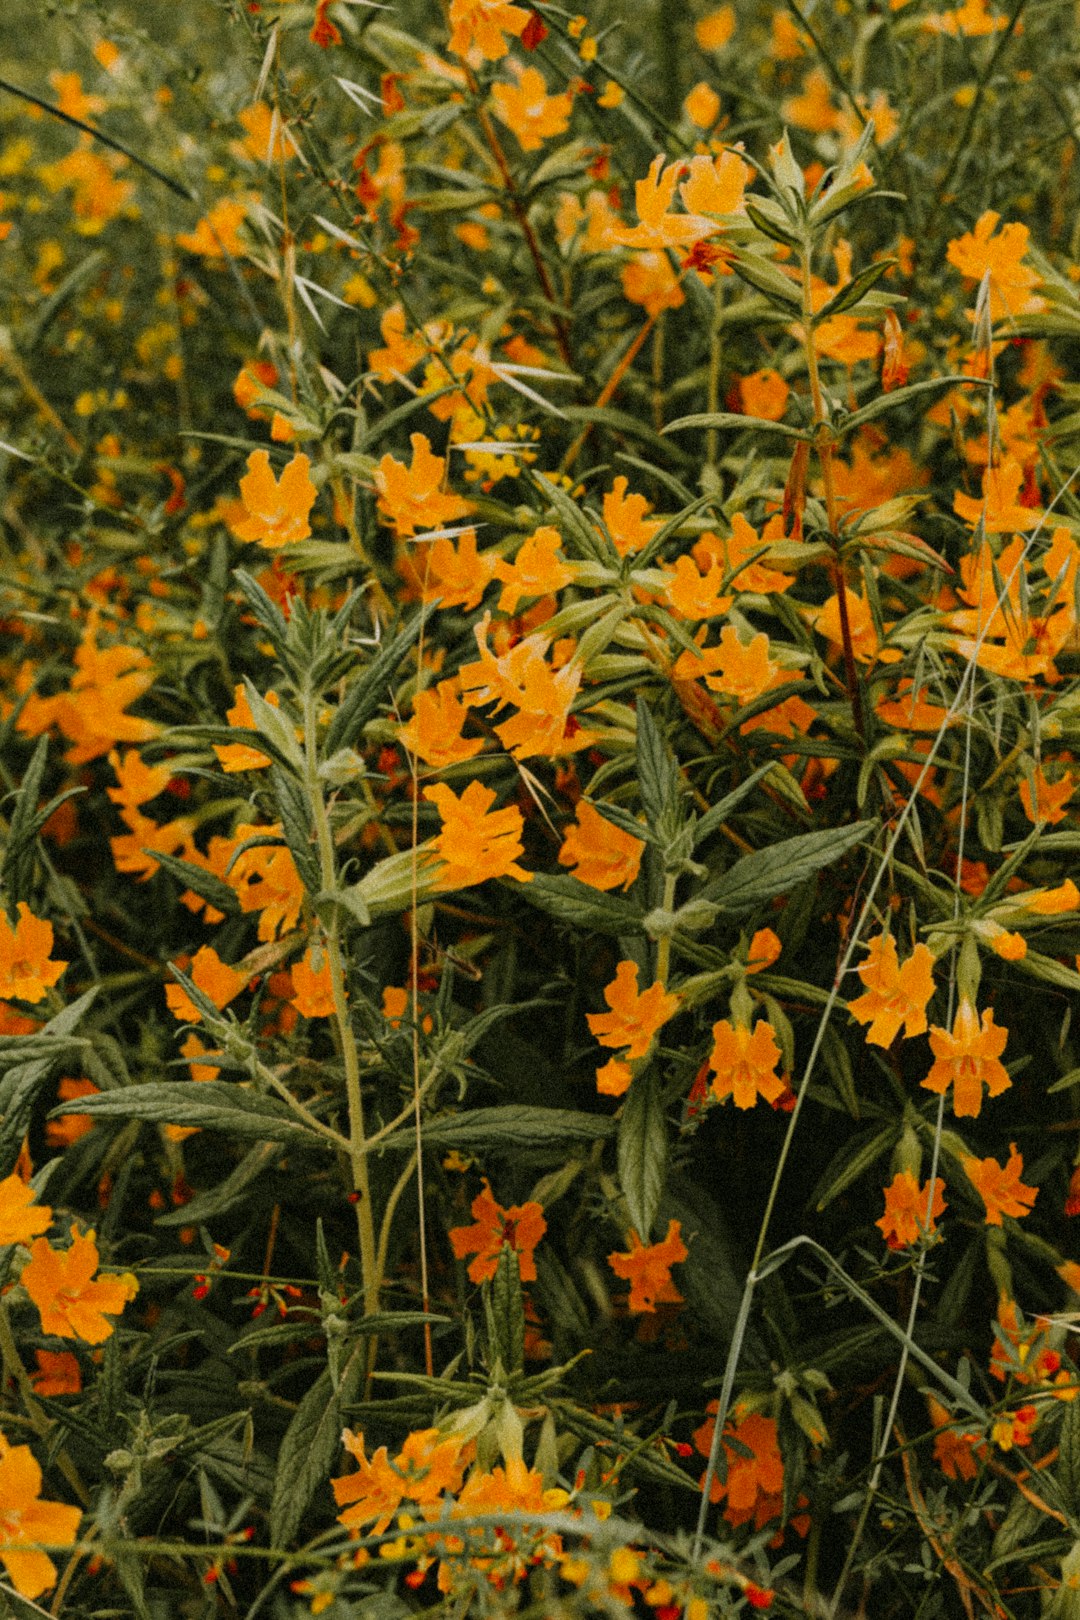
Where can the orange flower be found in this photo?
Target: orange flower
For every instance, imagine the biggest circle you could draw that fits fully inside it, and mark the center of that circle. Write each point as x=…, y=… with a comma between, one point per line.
x=713, y=31
x=26, y=972
x=515, y=1489
x=482, y=25
x=60, y=1133
x=955, y=1450
x=894, y=995
x=27, y=1523
x=73, y=1304
x=603, y=855
x=403, y=349
x=20, y=1218
x=754, y=1477
x=1011, y=282
x=276, y=511
x=813, y=109
x=999, y=507
x=1000, y=1187
x=313, y=986
x=539, y=569
x=233, y=757
x=613, y=1078
x=428, y=1465
x=213, y=977
x=529, y=111
x=324, y=30
x=694, y=595
x=91, y=713
x=765, y=948
x=973, y=19
x=542, y=694
x=764, y=393
x=57, y=1373
x=521, y=1226
x=1052, y=902
x=411, y=497
x=139, y=782
x=650, y=281
x=1050, y=798
x=715, y=185
x=658, y=228
x=264, y=879
x=476, y=842
x=904, y=1220
x=968, y=1059
x=434, y=732
x=702, y=105
x=635, y=1015
x=647, y=1268
x=216, y=235
x=625, y=521
x=743, y=1063
x=451, y=571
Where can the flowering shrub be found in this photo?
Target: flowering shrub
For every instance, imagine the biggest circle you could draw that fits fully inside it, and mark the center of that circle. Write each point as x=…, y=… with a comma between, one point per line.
x=540, y=614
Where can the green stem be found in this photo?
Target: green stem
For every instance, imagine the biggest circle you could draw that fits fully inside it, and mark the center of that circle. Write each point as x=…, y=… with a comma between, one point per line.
x=357, y=1145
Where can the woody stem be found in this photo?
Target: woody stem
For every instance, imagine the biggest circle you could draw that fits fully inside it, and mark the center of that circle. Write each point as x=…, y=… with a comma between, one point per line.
x=823, y=444
x=358, y=1147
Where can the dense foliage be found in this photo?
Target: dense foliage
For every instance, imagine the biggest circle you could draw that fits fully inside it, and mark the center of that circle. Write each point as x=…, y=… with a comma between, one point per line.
x=539, y=680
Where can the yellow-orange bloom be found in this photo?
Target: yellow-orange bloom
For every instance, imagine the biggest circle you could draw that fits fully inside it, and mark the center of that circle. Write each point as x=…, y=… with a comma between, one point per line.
x=476, y=842
x=313, y=986
x=521, y=1226
x=276, y=510
x=213, y=977
x=743, y=1063
x=999, y=508
x=26, y=971
x=27, y=1523
x=527, y=109
x=999, y=1186
x=647, y=1268
x=625, y=520
x=602, y=854
x=968, y=1058
x=539, y=569
x=482, y=25
x=216, y=234
x=754, y=1477
x=411, y=497
x=635, y=1014
x=72, y=1302
x=904, y=1219
x=1012, y=282
x=434, y=732
x=1049, y=799
x=895, y=996
x=20, y=1217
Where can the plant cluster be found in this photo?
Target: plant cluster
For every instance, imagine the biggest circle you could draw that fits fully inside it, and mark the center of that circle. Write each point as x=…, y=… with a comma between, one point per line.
x=539, y=714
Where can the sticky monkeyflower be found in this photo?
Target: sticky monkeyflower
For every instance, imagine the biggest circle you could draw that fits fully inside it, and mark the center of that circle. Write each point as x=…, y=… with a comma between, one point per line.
x=1000, y=508
x=217, y=234
x=476, y=842
x=411, y=497
x=73, y=1303
x=434, y=732
x=904, y=1220
x=21, y=1219
x=693, y=594
x=427, y=1467
x=658, y=228
x=449, y=570
x=92, y=712
x=968, y=1058
x=233, y=757
x=27, y=1523
x=955, y=1449
x=647, y=1268
x=764, y=394
x=1049, y=799
x=625, y=520
x=521, y=1227
x=482, y=26
x=313, y=987
x=276, y=511
x=754, y=1480
x=896, y=996
x=600, y=853
x=57, y=1373
x=635, y=1015
x=528, y=110
x=1012, y=282
x=539, y=569
x=743, y=1063
x=27, y=972
x=999, y=1186
x=213, y=977
x=264, y=879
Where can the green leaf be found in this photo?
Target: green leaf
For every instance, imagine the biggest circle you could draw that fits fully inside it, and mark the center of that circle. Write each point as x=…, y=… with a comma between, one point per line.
x=658, y=776
x=736, y=421
x=1067, y=1471
x=1049, y=969
x=853, y=1160
x=507, y=1126
x=718, y=813
x=212, y=1105
x=21, y=1084
x=295, y=813
x=779, y=867
x=574, y=902
x=581, y=538
x=643, y=1152
x=207, y=885
x=371, y=687
x=265, y=609
x=17, y=869
x=506, y=1312
x=852, y=291
x=900, y=396
x=308, y=1448
x=225, y=1195
x=767, y=278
